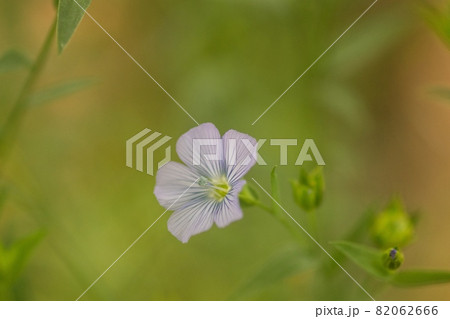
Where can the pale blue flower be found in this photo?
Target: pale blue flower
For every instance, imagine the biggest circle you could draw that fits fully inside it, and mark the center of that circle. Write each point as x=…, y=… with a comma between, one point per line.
x=216, y=183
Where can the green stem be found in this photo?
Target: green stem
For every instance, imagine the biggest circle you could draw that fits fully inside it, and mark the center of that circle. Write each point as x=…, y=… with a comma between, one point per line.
x=264, y=207
x=312, y=221
x=12, y=124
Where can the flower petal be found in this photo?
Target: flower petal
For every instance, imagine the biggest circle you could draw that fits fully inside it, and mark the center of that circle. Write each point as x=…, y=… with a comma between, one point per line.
x=174, y=186
x=240, y=154
x=230, y=210
x=191, y=220
x=209, y=143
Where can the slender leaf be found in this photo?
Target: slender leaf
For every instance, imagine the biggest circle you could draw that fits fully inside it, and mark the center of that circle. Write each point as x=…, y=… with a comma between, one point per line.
x=70, y=13
x=367, y=258
x=59, y=91
x=13, y=60
x=287, y=263
x=410, y=278
x=275, y=189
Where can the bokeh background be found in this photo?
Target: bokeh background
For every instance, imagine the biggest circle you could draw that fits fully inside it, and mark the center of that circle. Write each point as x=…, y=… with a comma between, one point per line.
x=368, y=104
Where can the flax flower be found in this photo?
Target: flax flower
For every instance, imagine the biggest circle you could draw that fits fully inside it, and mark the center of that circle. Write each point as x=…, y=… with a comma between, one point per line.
x=205, y=190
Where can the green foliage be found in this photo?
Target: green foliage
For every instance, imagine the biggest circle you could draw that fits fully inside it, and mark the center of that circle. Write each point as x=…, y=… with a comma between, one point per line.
x=309, y=188
x=13, y=60
x=60, y=90
x=393, y=227
x=13, y=258
x=288, y=262
x=69, y=17
x=410, y=278
x=365, y=257
x=375, y=263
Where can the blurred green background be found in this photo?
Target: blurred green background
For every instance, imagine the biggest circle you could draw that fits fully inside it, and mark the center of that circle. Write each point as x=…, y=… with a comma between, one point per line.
x=368, y=104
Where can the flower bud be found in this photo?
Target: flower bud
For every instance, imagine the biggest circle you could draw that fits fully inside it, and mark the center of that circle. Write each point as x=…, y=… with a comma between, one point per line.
x=393, y=227
x=393, y=258
x=248, y=196
x=308, y=189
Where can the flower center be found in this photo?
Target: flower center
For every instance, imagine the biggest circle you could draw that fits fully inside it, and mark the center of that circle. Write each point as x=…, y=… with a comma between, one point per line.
x=218, y=187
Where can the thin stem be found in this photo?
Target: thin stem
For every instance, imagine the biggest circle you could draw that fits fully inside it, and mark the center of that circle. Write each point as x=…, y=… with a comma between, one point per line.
x=12, y=123
x=312, y=220
x=264, y=207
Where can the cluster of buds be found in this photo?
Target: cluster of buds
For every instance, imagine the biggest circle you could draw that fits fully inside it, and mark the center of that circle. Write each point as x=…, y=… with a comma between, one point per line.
x=392, y=228
x=308, y=189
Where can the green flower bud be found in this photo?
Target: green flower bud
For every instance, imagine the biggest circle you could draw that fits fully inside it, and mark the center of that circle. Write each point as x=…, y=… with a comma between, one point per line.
x=308, y=189
x=248, y=196
x=393, y=227
x=393, y=258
